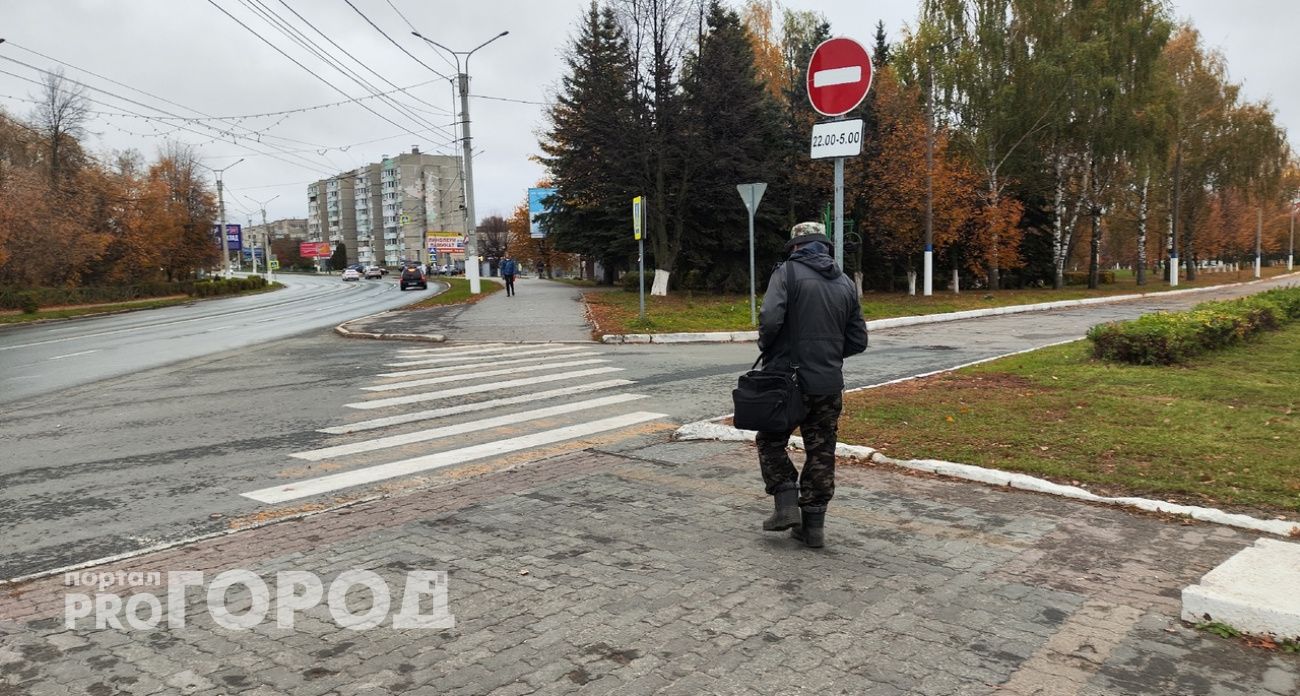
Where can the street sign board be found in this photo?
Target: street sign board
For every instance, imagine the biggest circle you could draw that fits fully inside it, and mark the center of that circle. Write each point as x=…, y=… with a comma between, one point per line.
x=751, y=194
x=636, y=218
x=535, y=208
x=234, y=236
x=275, y=264
x=449, y=242
x=314, y=250
x=839, y=75
x=837, y=139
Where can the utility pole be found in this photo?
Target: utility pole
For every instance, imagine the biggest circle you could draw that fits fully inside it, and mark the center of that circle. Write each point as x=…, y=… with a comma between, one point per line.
x=266, y=230
x=1259, y=235
x=221, y=209
x=467, y=152
x=1290, y=250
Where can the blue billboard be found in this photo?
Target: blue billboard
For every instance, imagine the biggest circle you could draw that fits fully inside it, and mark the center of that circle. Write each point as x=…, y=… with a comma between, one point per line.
x=535, y=208
x=234, y=236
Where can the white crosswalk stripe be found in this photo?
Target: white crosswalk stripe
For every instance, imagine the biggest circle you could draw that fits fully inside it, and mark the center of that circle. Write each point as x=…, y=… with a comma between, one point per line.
x=436, y=413
x=476, y=366
x=394, y=386
x=477, y=348
x=479, y=388
x=496, y=402
x=461, y=428
x=415, y=465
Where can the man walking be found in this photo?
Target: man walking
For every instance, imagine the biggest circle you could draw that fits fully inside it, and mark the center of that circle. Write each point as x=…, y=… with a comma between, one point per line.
x=508, y=270
x=819, y=317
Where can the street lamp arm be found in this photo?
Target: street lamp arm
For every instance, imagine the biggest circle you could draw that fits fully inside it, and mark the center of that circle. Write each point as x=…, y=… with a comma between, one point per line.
x=431, y=42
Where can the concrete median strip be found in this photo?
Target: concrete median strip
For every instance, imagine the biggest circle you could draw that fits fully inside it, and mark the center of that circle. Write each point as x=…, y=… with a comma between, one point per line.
x=1253, y=592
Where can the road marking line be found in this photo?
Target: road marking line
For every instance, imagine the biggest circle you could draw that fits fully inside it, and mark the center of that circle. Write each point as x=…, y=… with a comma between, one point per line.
x=406, y=467
x=73, y=355
x=480, y=388
x=450, y=349
x=473, y=355
x=462, y=428
x=475, y=366
x=479, y=375
x=435, y=413
x=837, y=76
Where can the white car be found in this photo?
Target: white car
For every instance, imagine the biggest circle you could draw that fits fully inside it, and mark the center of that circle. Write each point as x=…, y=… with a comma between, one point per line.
x=351, y=274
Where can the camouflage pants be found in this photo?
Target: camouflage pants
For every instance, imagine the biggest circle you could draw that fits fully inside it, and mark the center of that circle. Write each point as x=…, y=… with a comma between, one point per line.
x=819, y=427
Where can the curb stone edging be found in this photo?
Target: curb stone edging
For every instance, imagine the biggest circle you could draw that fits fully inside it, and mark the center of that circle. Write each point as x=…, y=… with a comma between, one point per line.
x=708, y=430
x=893, y=322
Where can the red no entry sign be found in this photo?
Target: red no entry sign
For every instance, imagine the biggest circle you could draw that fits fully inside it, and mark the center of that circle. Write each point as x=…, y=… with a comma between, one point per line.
x=839, y=75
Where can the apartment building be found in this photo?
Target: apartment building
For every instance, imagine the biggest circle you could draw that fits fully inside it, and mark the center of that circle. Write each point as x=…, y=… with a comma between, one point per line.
x=383, y=211
x=288, y=228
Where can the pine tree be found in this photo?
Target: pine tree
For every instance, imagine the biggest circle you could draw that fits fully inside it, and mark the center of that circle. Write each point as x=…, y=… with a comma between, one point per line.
x=588, y=148
x=731, y=127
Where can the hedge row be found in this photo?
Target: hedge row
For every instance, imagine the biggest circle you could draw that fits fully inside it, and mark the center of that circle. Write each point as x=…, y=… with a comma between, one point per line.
x=1166, y=338
x=32, y=299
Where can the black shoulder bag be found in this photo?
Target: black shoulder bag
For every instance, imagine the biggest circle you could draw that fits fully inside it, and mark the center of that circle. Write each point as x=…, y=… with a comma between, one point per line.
x=770, y=400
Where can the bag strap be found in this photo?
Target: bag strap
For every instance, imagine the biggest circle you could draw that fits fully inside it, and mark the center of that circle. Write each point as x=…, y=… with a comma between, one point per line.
x=792, y=292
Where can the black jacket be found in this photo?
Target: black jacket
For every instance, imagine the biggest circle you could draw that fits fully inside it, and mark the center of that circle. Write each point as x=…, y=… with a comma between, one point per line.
x=827, y=319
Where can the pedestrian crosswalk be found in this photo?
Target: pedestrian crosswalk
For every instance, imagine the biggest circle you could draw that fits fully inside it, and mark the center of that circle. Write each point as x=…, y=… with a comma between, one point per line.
x=500, y=399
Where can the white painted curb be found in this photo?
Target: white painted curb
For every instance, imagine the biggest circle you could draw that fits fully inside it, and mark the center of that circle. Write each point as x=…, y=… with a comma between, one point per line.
x=709, y=430
x=1253, y=592
x=894, y=322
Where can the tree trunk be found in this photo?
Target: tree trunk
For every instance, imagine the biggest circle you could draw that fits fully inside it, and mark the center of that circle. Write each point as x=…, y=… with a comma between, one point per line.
x=1094, y=256
x=660, y=286
x=1142, y=230
x=1172, y=272
x=1058, y=231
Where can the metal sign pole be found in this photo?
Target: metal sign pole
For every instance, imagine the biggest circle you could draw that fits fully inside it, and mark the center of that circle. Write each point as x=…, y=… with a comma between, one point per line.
x=753, y=306
x=839, y=212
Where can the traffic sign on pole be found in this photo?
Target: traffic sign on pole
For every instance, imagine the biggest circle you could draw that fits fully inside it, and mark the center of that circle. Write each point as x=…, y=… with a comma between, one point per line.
x=839, y=75
x=751, y=194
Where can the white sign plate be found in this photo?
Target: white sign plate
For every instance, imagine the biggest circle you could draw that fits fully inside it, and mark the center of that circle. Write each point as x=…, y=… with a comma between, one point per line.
x=837, y=139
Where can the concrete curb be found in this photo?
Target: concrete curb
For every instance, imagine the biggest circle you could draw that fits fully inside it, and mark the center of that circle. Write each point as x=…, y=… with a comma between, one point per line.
x=710, y=430
x=345, y=332
x=893, y=322
x=1253, y=592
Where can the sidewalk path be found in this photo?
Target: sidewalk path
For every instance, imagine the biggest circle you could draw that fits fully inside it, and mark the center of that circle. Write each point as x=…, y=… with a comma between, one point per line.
x=541, y=311
x=638, y=568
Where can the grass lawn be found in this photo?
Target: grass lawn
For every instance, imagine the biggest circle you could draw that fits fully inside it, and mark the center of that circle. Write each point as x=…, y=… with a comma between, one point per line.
x=1220, y=432
x=458, y=293
x=14, y=317
x=617, y=311
x=68, y=312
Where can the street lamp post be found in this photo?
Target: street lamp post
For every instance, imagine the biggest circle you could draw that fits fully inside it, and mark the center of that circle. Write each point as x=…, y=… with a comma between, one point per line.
x=266, y=231
x=462, y=79
x=221, y=209
x=1290, y=250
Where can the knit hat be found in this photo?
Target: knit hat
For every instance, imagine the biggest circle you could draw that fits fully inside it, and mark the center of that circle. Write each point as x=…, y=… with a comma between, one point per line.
x=806, y=232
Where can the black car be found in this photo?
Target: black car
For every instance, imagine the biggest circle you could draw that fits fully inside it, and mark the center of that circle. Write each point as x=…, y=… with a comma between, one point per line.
x=413, y=277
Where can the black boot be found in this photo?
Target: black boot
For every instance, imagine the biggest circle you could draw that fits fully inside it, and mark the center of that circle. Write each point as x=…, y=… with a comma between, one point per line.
x=787, y=508
x=811, y=530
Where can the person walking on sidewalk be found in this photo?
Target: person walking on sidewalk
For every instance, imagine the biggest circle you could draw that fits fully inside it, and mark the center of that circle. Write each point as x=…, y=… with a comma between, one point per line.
x=830, y=328
x=508, y=271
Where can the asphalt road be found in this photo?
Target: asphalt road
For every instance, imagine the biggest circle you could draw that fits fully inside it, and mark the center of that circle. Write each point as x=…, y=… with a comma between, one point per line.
x=47, y=358
x=174, y=451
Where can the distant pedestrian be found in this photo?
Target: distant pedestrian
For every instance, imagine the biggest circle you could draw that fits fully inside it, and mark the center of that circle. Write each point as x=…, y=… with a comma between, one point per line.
x=508, y=271
x=828, y=320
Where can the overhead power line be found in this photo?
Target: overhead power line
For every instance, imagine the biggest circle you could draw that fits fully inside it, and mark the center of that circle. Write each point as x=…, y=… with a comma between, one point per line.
x=308, y=70
x=391, y=41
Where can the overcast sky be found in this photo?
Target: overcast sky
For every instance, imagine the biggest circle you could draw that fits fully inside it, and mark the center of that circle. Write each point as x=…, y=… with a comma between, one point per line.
x=190, y=53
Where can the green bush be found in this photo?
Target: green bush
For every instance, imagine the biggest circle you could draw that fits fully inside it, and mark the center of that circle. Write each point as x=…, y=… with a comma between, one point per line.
x=1081, y=277
x=28, y=303
x=632, y=281
x=1166, y=338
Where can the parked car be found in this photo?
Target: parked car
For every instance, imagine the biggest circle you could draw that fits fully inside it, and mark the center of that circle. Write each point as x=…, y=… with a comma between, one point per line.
x=374, y=272
x=413, y=277
x=351, y=274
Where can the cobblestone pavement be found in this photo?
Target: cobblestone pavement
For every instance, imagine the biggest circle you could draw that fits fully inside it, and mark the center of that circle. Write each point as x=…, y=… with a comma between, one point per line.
x=639, y=568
